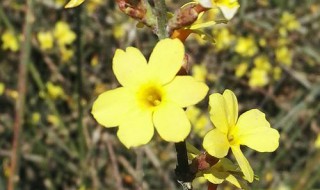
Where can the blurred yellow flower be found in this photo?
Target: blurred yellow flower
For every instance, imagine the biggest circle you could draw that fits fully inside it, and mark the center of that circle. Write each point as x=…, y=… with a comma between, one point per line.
x=317, y=143
x=199, y=120
x=92, y=5
x=55, y=91
x=250, y=129
x=60, y=3
x=283, y=55
x=223, y=39
x=35, y=117
x=94, y=60
x=258, y=77
x=9, y=41
x=246, y=46
x=241, y=69
x=262, y=62
x=277, y=73
x=289, y=21
x=53, y=119
x=63, y=34
x=152, y=95
x=45, y=39
x=66, y=53
x=12, y=94
x=2, y=88
x=199, y=72
x=262, y=42
x=228, y=7
x=118, y=31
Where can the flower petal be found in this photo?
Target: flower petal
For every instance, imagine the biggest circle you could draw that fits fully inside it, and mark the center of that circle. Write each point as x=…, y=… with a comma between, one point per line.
x=232, y=106
x=218, y=112
x=216, y=143
x=185, y=91
x=255, y=132
x=215, y=176
x=233, y=180
x=112, y=106
x=243, y=163
x=171, y=122
x=137, y=129
x=166, y=59
x=130, y=66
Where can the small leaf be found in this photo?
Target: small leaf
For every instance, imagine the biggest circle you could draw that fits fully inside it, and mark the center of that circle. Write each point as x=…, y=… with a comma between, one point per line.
x=73, y=3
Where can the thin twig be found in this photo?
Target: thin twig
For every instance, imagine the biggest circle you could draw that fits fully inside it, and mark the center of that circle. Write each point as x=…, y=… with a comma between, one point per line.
x=114, y=165
x=161, y=14
x=20, y=103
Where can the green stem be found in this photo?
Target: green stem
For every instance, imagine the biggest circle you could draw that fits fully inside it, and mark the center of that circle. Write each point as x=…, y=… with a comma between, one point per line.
x=161, y=14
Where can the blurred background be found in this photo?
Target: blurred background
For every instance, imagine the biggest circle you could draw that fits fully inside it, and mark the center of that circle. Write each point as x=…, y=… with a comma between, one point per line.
x=268, y=54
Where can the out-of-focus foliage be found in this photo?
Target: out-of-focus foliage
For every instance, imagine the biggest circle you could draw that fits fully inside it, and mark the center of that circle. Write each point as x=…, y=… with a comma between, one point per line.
x=268, y=54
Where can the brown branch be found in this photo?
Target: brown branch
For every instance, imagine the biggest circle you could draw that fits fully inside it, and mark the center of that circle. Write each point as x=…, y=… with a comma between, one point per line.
x=20, y=103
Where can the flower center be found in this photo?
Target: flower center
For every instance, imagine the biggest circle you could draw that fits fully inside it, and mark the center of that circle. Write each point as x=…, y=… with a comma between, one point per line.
x=232, y=136
x=150, y=96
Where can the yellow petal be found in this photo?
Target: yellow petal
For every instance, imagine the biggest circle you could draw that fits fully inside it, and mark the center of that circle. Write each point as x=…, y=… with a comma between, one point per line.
x=216, y=143
x=243, y=163
x=73, y=3
x=232, y=106
x=218, y=112
x=137, y=129
x=171, y=122
x=215, y=176
x=166, y=59
x=234, y=181
x=112, y=106
x=255, y=132
x=185, y=91
x=129, y=67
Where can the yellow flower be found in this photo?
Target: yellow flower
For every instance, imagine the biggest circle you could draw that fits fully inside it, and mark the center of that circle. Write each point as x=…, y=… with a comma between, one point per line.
x=2, y=88
x=55, y=91
x=246, y=46
x=63, y=34
x=35, y=118
x=317, y=143
x=250, y=129
x=199, y=72
x=289, y=21
x=276, y=73
x=284, y=55
x=241, y=69
x=262, y=62
x=66, y=53
x=9, y=41
x=258, y=77
x=228, y=7
x=223, y=39
x=199, y=120
x=152, y=95
x=45, y=39
x=92, y=5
